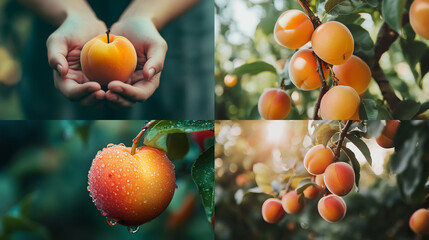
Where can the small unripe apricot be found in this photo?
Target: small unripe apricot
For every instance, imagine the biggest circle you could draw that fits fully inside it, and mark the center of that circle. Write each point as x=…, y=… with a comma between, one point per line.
x=303, y=70
x=332, y=42
x=419, y=221
x=291, y=204
x=320, y=181
x=230, y=80
x=293, y=29
x=317, y=159
x=272, y=210
x=419, y=17
x=339, y=103
x=385, y=140
x=332, y=208
x=274, y=104
x=354, y=73
x=242, y=179
x=339, y=178
x=311, y=192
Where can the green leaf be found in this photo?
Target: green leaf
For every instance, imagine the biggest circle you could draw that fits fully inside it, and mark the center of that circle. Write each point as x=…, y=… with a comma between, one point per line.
x=402, y=158
x=339, y=7
x=303, y=184
x=363, y=44
x=374, y=128
x=392, y=11
x=254, y=68
x=361, y=145
x=406, y=110
x=203, y=175
x=368, y=109
x=177, y=145
x=413, y=52
x=355, y=163
x=324, y=133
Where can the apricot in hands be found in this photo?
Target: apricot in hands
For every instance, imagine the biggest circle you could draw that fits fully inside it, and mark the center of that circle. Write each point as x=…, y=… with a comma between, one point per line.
x=272, y=210
x=339, y=178
x=293, y=29
x=332, y=42
x=340, y=103
x=107, y=58
x=317, y=159
x=131, y=189
x=385, y=140
x=274, y=104
x=332, y=208
x=354, y=73
x=419, y=221
x=303, y=70
x=419, y=17
x=291, y=204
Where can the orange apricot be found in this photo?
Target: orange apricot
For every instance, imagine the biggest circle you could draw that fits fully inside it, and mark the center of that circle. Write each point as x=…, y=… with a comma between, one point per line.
x=274, y=104
x=272, y=210
x=242, y=179
x=419, y=17
x=293, y=29
x=339, y=103
x=385, y=140
x=291, y=204
x=332, y=208
x=333, y=42
x=317, y=159
x=303, y=70
x=419, y=221
x=311, y=192
x=320, y=181
x=105, y=60
x=339, y=178
x=230, y=80
x=354, y=73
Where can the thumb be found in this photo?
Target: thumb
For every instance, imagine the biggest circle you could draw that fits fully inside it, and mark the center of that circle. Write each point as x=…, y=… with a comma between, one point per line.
x=155, y=59
x=57, y=53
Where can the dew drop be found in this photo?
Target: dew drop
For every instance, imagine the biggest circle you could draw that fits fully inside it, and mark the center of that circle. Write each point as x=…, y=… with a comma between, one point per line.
x=111, y=222
x=176, y=186
x=110, y=145
x=87, y=188
x=102, y=165
x=133, y=229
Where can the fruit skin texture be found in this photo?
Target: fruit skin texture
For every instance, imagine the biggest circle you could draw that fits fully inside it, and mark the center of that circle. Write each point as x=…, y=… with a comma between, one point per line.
x=354, y=73
x=312, y=192
x=274, y=104
x=303, y=70
x=131, y=189
x=339, y=178
x=419, y=221
x=385, y=140
x=104, y=62
x=419, y=17
x=317, y=159
x=230, y=80
x=332, y=208
x=339, y=103
x=332, y=42
x=272, y=210
x=293, y=29
x=290, y=203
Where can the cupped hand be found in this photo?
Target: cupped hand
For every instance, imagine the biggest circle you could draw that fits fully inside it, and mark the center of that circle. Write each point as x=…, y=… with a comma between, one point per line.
x=151, y=49
x=64, y=48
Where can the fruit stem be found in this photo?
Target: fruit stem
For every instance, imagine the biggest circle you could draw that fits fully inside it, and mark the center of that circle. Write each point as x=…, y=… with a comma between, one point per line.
x=323, y=89
x=108, y=31
x=341, y=139
x=136, y=140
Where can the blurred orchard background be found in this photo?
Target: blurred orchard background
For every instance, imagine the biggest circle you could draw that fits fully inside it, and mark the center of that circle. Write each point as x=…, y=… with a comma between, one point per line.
x=44, y=177
x=255, y=158
x=244, y=34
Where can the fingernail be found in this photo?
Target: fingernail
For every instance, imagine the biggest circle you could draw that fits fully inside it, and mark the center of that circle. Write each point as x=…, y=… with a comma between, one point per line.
x=59, y=69
x=151, y=73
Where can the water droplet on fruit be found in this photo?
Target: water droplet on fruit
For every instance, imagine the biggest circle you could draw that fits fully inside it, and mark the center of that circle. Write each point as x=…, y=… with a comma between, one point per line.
x=176, y=186
x=87, y=188
x=102, y=165
x=111, y=222
x=110, y=145
x=128, y=180
x=133, y=229
x=121, y=144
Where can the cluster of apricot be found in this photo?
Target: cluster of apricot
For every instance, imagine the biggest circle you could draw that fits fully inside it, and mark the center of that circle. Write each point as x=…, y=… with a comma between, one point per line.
x=333, y=43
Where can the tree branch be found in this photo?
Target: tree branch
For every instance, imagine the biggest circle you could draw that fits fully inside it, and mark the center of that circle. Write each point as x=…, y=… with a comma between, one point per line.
x=341, y=139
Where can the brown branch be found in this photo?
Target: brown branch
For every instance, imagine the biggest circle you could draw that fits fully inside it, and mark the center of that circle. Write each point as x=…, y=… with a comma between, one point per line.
x=341, y=139
x=323, y=89
x=314, y=19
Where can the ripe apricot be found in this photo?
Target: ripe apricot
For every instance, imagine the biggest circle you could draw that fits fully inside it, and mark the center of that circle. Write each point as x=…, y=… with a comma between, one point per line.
x=230, y=80
x=293, y=29
x=274, y=104
x=332, y=208
x=332, y=42
x=419, y=221
x=272, y=210
x=303, y=70
x=317, y=159
x=419, y=17
x=385, y=140
x=311, y=192
x=339, y=103
x=131, y=189
x=354, y=73
x=339, y=178
x=242, y=179
x=320, y=181
x=291, y=204
x=105, y=60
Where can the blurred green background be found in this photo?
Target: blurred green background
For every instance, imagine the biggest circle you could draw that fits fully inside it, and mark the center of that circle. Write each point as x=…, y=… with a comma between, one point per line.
x=43, y=179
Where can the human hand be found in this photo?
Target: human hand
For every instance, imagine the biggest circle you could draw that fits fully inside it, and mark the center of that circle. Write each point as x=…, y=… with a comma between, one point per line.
x=151, y=49
x=64, y=48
